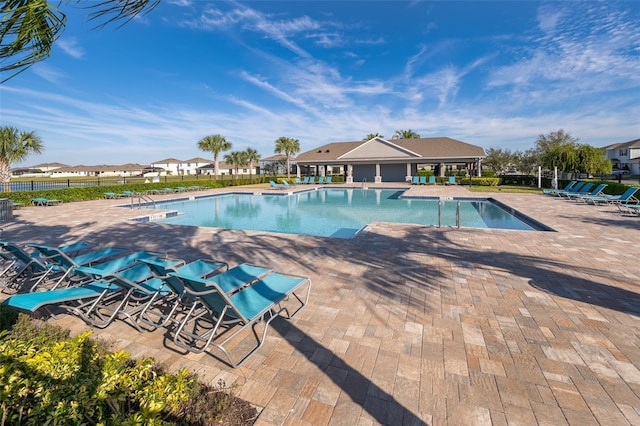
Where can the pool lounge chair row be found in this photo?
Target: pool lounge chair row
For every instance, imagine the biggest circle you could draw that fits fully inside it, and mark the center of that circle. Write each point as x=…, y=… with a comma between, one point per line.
x=422, y=180
x=310, y=180
x=585, y=192
x=177, y=189
x=202, y=303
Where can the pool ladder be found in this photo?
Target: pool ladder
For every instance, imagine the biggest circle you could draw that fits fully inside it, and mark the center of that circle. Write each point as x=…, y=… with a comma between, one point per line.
x=440, y=203
x=364, y=184
x=142, y=198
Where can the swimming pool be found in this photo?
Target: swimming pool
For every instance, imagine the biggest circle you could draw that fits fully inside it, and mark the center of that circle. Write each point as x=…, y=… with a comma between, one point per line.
x=338, y=213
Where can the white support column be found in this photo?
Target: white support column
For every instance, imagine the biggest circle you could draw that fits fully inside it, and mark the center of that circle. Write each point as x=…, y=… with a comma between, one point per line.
x=408, y=177
x=378, y=178
x=479, y=167
x=349, y=173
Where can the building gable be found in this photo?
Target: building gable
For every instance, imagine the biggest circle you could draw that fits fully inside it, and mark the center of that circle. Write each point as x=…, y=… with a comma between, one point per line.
x=378, y=148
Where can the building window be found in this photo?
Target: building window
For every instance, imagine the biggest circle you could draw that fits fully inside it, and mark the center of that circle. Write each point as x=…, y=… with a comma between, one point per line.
x=623, y=152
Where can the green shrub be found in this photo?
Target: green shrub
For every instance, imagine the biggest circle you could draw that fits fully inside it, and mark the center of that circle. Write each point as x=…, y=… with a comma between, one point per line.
x=48, y=379
x=482, y=181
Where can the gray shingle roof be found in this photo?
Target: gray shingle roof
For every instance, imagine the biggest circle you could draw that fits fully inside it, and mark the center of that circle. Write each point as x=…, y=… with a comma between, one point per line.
x=423, y=148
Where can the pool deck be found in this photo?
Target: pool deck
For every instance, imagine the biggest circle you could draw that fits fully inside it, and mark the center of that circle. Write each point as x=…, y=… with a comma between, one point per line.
x=411, y=325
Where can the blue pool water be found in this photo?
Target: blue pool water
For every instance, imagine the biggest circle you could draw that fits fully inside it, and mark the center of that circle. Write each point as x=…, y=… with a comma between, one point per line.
x=338, y=213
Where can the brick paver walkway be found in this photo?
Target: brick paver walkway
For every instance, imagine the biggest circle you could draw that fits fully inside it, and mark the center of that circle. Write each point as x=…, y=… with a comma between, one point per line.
x=415, y=325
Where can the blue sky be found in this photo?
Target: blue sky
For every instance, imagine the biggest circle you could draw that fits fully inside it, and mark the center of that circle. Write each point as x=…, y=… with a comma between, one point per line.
x=494, y=74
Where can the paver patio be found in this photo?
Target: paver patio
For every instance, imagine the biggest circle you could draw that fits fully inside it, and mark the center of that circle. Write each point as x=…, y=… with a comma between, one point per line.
x=412, y=325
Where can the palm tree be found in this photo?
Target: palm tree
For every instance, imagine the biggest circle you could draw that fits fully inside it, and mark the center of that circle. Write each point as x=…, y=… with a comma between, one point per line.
x=32, y=27
x=215, y=144
x=252, y=157
x=372, y=136
x=288, y=147
x=15, y=146
x=236, y=159
x=405, y=134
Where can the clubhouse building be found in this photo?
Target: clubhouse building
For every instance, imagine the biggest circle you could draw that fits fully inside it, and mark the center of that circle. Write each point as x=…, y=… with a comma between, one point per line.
x=380, y=160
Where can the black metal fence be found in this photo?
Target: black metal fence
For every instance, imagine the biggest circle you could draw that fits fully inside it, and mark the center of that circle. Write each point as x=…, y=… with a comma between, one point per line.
x=42, y=184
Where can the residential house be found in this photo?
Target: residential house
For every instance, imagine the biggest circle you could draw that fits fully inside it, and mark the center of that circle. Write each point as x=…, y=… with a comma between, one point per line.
x=625, y=156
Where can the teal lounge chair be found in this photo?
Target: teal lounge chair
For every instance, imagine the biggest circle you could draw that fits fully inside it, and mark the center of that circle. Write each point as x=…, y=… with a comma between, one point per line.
x=312, y=179
x=627, y=197
x=305, y=180
x=112, y=195
x=415, y=180
x=80, y=297
x=111, y=266
x=597, y=191
x=328, y=179
x=432, y=180
x=320, y=179
x=22, y=270
x=553, y=191
x=64, y=263
x=452, y=180
x=423, y=180
x=297, y=181
x=631, y=208
x=41, y=201
x=100, y=302
x=25, y=270
x=584, y=190
x=228, y=314
x=573, y=189
x=275, y=185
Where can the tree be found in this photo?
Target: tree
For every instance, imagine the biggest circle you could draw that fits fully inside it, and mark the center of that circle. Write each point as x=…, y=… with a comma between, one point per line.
x=497, y=159
x=405, y=134
x=15, y=146
x=288, y=147
x=215, y=144
x=252, y=157
x=526, y=161
x=236, y=159
x=372, y=136
x=592, y=160
x=554, y=139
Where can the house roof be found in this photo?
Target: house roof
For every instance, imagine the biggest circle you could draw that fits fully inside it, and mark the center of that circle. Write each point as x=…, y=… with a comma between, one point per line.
x=49, y=165
x=197, y=160
x=168, y=161
x=631, y=144
x=276, y=157
x=423, y=149
x=100, y=168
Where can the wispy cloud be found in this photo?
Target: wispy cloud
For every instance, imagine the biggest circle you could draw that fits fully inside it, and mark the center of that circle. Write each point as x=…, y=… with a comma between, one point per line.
x=49, y=73
x=70, y=47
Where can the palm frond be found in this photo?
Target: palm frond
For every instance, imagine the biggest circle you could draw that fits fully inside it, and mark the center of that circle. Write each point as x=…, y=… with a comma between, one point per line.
x=28, y=29
x=110, y=11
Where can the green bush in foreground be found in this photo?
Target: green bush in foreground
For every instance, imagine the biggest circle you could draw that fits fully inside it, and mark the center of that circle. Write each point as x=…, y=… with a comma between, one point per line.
x=48, y=379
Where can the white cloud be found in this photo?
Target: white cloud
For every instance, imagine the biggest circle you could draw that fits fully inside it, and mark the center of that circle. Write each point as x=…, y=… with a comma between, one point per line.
x=70, y=47
x=49, y=73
